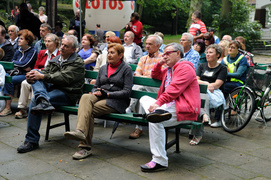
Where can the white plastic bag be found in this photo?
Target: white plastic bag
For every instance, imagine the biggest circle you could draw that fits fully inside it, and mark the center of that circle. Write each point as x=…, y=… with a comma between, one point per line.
x=216, y=99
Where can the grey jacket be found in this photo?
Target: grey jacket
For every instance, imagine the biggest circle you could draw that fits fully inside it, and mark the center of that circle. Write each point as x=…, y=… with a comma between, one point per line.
x=118, y=85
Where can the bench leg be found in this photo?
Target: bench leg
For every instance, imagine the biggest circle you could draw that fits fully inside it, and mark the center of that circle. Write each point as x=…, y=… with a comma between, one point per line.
x=166, y=146
x=48, y=127
x=177, y=136
x=67, y=122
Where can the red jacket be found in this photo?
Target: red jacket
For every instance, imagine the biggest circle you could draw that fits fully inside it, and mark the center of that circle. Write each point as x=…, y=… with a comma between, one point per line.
x=137, y=29
x=183, y=88
x=42, y=59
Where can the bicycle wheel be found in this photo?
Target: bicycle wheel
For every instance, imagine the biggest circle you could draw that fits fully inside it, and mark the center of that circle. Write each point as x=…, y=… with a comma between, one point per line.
x=239, y=108
x=266, y=105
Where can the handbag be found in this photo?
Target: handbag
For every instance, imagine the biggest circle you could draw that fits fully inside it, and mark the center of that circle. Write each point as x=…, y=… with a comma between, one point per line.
x=216, y=99
x=15, y=71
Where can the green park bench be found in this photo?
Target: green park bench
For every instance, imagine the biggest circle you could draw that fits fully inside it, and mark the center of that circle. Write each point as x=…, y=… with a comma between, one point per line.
x=128, y=117
x=7, y=66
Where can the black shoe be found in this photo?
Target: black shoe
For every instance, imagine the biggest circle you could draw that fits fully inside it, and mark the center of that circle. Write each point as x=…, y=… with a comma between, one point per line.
x=158, y=115
x=157, y=167
x=27, y=147
x=43, y=107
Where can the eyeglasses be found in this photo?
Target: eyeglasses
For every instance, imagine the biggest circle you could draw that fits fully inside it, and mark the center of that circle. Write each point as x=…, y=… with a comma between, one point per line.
x=168, y=53
x=206, y=39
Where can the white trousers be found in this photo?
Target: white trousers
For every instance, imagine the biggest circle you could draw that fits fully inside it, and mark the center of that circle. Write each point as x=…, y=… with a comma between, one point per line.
x=26, y=89
x=157, y=134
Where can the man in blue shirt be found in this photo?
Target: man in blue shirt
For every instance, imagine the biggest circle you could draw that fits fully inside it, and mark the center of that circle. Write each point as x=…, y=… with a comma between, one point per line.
x=189, y=53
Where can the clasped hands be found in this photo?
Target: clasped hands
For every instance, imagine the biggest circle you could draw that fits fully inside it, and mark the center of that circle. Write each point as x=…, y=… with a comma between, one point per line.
x=100, y=93
x=33, y=75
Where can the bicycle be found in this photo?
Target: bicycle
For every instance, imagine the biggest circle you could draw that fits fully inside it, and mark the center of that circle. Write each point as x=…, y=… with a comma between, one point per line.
x=243, y=101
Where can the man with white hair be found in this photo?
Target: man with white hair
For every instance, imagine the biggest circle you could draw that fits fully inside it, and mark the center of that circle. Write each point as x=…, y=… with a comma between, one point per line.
x=13, y=36
x=60, y=83
x=189, y=53
x=144, y=68
x=227, y=38
x=178, y=96
x=132, y=51
x=5, y=45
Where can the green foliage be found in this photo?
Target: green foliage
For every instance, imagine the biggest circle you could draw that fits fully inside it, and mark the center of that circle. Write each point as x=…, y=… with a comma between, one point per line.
x=160, y=14
x=237, y=23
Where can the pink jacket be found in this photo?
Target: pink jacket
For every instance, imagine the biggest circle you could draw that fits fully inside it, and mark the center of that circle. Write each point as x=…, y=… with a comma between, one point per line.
x=183, y=88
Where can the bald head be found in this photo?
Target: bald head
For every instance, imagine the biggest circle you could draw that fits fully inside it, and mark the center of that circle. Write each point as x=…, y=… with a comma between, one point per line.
x=227, y=38
x=13, y=32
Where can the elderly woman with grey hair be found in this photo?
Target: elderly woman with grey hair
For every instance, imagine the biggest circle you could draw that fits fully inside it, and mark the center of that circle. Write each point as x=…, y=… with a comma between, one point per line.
x=43, y=18
x=214, y=75
x=52, y=43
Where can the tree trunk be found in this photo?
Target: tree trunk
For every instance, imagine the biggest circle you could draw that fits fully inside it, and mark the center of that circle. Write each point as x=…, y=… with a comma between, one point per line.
x=225, y=16
x=8, y=7
x=83, y=7
x=140, y=10
x=175, y=22
x=194, y=5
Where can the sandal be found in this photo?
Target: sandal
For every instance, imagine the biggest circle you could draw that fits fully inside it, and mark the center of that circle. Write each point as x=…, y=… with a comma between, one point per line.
x=5, y=112
x=206, y=119
x=21, y=114
x=195, y=140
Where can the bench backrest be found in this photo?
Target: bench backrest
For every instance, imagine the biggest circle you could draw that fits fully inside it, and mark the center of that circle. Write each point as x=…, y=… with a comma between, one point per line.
x=7, y=66
x=139, y=81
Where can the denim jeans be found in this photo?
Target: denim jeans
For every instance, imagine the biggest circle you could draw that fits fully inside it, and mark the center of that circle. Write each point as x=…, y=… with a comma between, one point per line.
x=9, y=87
x=229, y=86
x=56, y=98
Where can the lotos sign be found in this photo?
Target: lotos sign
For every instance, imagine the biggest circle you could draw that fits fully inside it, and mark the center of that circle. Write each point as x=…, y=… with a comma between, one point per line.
x=112, y=15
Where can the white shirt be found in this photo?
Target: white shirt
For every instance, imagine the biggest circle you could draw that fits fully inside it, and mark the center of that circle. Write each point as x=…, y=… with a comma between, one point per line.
x=49, y=57
x=43, y=18
x=13, y=42
x=128, y=52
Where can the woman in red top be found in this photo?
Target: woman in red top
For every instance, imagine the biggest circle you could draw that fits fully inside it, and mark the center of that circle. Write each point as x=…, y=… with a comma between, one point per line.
x=52, y=43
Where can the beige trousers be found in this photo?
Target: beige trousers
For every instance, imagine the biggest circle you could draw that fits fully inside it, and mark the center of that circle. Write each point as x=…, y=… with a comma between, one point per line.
x=26, y=89
x=89, y=107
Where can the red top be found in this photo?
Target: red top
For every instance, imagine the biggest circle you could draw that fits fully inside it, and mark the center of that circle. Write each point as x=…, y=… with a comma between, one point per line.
x=41, y=59
x=137, y=29
x=112, y=68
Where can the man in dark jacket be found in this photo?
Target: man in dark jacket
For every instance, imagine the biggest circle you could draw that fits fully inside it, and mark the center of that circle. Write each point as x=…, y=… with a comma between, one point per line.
x=59, y=83
x=75, y=24
x=5, y=45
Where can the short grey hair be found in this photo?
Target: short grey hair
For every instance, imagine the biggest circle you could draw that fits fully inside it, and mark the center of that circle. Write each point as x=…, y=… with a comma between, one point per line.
x=132, y=34
x=216, y=47
x=73, y=39
x=176, y=47
x=54, y=38
x=158, y=39
x=16, y=28
x=42, y=8
x=190, y=36
x=47, y=26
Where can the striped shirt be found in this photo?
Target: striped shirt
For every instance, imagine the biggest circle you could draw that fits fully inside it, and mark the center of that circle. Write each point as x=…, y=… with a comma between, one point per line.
x=198, y=26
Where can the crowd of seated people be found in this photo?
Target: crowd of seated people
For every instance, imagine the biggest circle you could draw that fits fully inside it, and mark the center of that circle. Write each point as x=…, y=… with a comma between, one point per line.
x=220, y=66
